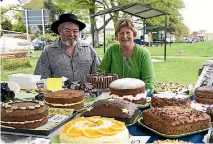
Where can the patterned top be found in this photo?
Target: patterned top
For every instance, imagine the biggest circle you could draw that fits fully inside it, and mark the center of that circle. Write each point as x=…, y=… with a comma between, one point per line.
x=56, y=62
x=138, y=66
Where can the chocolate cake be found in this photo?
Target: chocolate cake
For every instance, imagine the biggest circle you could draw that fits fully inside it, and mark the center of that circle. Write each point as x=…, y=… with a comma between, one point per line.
x=73, y=99
x=204, y=95
x=101, y=80
x=89, y=90
x=174, y=120
x=170, y=99
x=129, y=89
x=113, y=108
x=24, y=114
x=209, y=111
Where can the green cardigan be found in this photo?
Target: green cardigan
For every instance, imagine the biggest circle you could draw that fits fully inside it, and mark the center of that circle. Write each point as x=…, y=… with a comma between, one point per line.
x=138, y=66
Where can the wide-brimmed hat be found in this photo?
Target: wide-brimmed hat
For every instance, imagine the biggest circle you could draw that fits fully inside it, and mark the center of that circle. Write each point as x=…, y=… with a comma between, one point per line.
x=68, y=17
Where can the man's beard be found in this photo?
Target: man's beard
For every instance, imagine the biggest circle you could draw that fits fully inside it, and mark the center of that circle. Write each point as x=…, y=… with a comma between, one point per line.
x=69, y=42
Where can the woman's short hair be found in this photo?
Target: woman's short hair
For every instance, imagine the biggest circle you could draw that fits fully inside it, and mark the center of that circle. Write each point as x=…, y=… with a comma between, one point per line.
x=125, y=22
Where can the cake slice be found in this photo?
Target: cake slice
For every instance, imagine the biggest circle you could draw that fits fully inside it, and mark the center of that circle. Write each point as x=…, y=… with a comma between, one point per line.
x=113, y=108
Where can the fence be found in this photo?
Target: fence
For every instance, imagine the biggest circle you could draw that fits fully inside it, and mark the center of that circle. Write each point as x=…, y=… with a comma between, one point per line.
x=14, y=46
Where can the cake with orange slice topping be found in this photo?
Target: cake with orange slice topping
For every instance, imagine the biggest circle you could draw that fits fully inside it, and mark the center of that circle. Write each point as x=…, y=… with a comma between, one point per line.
x=91, y=130
x=113, y=108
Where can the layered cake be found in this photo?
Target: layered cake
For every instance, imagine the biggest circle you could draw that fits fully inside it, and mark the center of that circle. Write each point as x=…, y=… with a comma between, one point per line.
x=73, y=99
x=170, y=99
x=94, y=130
x=204, y=95
x=24, y=114
x=170, y=142
x=101, y=80
x=174, y=120
x=209, y=111
x=129, y=89
x=113, y=108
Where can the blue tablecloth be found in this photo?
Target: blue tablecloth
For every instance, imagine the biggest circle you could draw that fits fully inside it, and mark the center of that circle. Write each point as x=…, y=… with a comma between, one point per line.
x=138, y=130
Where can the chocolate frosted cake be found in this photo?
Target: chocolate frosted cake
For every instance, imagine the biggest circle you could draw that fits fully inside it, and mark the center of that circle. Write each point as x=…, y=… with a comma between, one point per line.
x=101, y=80
x=174, y=120
x=129, y=89
x=113, y=108
x=170, y=99
x=24, y=114
x=204, y=95
x=73, y=99
x=209, y=111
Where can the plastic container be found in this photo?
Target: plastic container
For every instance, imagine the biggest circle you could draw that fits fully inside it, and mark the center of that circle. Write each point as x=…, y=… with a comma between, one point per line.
x=25, y=81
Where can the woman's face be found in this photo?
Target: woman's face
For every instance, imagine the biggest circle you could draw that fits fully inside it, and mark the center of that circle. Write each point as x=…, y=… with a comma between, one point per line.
x=69, y=34
x=126, y=37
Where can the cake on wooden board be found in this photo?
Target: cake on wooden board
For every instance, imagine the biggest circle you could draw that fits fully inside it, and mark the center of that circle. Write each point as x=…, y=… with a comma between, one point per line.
x=129, y=89
x=113, y=108
x=170, y=99
x=174, y=120
x=24, y=114
x=204, y=95
x=92, y=130
x=73, y=99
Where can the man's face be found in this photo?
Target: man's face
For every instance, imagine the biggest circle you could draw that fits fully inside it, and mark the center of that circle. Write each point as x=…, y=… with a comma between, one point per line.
x=69, y=34
x=125, y=36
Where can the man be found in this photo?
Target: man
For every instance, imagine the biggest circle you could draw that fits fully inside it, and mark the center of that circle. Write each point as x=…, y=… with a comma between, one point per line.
x=68, y=56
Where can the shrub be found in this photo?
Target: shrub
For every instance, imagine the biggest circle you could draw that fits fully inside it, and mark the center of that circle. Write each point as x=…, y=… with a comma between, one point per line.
x=14, y=64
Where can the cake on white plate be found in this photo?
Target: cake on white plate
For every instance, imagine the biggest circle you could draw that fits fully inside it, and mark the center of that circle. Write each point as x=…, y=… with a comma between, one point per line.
x=129, y=89
x=91, y=130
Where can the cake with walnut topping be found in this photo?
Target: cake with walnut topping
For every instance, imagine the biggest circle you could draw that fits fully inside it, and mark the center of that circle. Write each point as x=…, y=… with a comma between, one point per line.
x=113, y=108
x=24, y=114
x=174, y=120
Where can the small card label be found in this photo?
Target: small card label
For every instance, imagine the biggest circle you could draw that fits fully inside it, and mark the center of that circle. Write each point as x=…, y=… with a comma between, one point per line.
x=58, y=118
x=54, y=84
x=139, y=139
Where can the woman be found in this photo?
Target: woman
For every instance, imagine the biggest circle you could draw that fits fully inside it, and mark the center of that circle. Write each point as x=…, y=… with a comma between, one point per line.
x=128, y=59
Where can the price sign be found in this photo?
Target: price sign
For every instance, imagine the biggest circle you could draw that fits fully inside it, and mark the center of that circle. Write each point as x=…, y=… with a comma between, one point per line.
x=54, y=84
x=139, y=139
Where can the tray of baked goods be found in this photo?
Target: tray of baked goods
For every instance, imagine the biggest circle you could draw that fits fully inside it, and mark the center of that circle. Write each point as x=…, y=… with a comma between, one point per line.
x=175, y=121
x=32, y=117
x=176, y=87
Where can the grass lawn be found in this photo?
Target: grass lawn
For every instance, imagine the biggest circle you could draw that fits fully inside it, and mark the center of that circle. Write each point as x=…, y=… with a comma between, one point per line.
x=203, y=49
x=183, y=70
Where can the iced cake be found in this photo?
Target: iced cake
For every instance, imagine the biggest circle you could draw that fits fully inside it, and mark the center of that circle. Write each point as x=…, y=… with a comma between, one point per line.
x=113, y=108
x=129, y=89
x=204, y=95
x=170, y=99
x=93, y=130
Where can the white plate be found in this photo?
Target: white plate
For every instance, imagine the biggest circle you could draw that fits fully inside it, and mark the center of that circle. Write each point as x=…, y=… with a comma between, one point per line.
x=13, y=86
x=199, y=106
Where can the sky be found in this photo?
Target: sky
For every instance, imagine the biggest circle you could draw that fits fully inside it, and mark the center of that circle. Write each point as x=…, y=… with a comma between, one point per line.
x=197, y=14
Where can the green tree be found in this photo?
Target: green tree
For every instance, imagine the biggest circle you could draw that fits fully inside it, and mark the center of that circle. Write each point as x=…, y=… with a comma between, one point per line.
x=6, y=24
x=19, y=24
